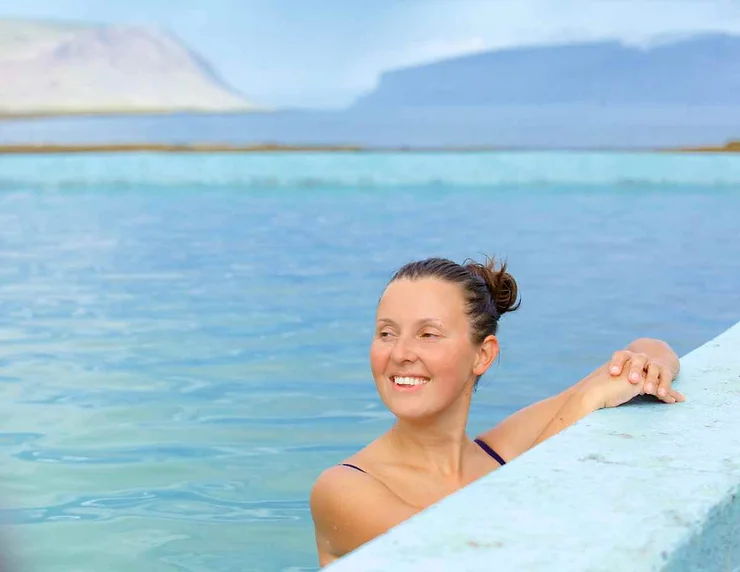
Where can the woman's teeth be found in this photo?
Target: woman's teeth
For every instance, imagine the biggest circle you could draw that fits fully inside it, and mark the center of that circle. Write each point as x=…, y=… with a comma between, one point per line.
x=410, y=380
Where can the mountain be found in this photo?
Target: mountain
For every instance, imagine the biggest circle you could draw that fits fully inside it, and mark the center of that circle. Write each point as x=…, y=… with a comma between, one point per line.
x=52, y=68
x=702, y=70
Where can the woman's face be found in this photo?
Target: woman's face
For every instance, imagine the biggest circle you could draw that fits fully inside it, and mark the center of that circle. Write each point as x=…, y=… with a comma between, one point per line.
x=422, y=355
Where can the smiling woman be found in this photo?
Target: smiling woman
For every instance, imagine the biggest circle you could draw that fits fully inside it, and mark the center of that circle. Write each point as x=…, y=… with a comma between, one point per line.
x=435, y=337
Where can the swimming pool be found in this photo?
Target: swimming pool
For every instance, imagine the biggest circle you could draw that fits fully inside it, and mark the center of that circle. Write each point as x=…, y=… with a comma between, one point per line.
x=184, y=337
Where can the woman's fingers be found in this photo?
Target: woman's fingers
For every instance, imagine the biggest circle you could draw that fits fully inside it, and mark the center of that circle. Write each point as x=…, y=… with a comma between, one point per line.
x=665, y=391
x=653, y=381
x=619, y=358
x=664, y=386
x=637, y=367
x=677, y=395
x=673, y=396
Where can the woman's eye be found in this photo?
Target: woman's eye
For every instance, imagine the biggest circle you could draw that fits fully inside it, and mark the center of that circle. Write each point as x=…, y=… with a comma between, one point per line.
x=429, y=335
x=384, y=335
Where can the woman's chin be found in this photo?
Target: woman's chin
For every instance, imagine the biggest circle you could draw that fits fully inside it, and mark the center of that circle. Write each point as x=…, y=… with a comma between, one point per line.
x=414, y=403
x=406, y=411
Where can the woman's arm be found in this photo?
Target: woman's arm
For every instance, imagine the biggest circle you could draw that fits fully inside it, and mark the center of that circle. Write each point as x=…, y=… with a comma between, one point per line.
x=598, y=390
x=652, y=361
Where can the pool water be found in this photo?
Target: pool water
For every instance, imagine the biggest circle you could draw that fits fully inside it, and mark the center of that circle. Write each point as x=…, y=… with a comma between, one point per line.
x=184, y=338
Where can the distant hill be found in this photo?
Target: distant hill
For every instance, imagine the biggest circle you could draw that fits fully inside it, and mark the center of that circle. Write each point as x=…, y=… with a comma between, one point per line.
x=48, y=68
x=702, y=70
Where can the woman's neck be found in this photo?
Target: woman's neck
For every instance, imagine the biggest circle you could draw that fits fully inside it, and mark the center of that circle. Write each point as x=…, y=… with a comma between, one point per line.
x=435, y=445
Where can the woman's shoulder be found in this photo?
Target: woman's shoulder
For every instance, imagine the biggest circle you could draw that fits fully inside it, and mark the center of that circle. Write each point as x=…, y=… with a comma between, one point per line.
x=365, y=460
x=350, y=508
x=353, y=474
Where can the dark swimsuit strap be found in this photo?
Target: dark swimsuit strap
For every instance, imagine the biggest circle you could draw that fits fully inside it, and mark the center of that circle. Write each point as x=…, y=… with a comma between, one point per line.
x=487, y=448
x=352, y=467
x=483, y=445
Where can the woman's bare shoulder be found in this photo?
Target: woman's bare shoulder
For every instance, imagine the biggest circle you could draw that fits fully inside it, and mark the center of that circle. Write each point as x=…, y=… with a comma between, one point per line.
x=350, y=508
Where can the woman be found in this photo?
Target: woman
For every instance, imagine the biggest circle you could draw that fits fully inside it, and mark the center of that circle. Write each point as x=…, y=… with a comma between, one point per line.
x=435, y=336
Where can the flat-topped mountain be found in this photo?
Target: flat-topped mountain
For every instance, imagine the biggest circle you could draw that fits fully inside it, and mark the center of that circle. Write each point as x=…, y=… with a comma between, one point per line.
x=702, y=70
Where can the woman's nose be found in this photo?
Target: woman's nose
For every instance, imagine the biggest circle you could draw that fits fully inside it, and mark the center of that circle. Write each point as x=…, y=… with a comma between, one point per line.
x=403, y=350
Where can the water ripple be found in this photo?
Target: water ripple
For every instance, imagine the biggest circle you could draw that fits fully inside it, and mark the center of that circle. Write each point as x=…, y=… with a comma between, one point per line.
x=120, y=455
x=7, y=439
x=182, y=505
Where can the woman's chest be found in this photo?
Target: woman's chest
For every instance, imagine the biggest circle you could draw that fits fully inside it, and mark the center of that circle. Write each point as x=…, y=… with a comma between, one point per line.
x=421, y=491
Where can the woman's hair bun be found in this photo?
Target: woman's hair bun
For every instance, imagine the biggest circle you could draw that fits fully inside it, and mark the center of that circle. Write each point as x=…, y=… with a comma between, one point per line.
x=500, y=284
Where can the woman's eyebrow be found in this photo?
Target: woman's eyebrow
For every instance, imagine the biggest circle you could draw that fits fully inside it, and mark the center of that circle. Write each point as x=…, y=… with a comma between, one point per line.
x=421, y=322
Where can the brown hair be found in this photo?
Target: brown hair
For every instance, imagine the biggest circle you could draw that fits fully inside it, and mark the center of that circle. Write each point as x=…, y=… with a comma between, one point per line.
x=489, y=292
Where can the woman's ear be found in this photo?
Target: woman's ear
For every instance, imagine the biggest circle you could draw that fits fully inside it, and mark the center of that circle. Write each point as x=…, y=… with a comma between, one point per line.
x=487, y=352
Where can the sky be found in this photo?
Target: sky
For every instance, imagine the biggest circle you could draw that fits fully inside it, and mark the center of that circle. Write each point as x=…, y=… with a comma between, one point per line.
x=325, y=53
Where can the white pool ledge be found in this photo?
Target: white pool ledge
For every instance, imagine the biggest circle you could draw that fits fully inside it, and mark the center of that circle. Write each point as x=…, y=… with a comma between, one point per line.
x=640, y=487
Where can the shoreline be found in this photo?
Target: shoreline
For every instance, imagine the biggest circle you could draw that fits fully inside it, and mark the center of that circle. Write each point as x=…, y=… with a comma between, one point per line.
x=52, y=148
x=144, y=112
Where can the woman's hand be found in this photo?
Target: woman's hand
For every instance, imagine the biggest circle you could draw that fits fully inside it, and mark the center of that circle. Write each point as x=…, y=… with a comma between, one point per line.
x=648, y=376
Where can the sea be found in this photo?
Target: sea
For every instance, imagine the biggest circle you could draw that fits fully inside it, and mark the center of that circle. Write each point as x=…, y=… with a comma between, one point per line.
x=184, y=337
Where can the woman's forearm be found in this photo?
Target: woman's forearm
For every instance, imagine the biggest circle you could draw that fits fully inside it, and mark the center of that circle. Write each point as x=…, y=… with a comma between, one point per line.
x=580, y=403
x=515, y=434
x=532, y=425
x=523, y=429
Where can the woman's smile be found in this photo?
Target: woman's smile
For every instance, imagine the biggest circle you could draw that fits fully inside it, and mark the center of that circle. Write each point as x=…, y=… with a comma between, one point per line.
x=408, y=383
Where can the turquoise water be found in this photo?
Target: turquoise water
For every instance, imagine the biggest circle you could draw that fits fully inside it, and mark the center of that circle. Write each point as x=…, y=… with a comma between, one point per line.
x=184, y=338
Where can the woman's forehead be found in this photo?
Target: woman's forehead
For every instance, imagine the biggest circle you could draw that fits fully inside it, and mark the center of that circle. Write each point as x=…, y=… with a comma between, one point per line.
x=430, y=297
